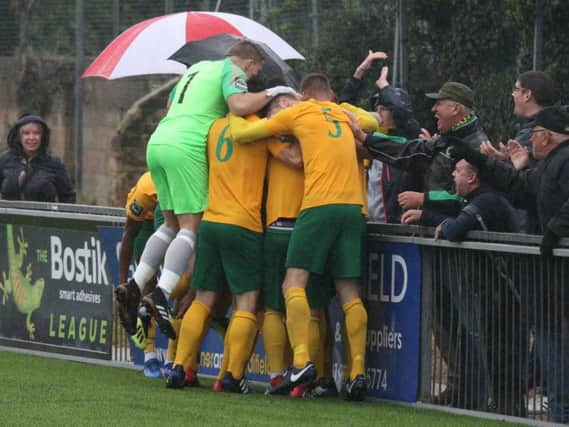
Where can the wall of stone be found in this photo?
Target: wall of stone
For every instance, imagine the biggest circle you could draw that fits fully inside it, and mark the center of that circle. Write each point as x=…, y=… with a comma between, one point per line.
x=106, y=155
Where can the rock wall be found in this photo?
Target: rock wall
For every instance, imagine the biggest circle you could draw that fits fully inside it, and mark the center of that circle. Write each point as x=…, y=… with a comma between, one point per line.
x=113, y=152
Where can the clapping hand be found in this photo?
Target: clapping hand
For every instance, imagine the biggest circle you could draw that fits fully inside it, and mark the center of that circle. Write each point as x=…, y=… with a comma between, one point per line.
x=425, y=134
x=518, y=154
x=489, y=150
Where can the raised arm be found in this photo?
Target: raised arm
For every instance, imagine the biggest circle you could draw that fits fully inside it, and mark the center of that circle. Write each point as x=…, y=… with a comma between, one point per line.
x=244, y=131
x=366, y=120
x=353, y=85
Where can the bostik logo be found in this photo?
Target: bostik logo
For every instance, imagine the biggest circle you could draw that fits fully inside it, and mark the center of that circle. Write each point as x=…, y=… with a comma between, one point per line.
x=84, y=264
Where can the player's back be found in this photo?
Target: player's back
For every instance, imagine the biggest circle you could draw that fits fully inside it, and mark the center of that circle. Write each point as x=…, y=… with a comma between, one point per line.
x=236, y=177
x=198, y=100
x=328, y=151
x=285, y=187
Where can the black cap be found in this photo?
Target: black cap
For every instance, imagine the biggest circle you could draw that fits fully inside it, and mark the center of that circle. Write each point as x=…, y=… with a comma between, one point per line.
x=396, y=98
x=555, y=119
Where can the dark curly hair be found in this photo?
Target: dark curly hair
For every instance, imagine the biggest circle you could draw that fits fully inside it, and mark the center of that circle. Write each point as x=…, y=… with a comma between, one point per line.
x=14, y=143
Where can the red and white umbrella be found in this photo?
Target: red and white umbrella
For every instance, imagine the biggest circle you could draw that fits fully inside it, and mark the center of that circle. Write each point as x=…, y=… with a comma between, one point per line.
x=145, y=47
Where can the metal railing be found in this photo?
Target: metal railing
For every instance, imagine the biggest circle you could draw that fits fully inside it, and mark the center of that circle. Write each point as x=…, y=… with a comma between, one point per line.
x=494, y=329
x=494, y=332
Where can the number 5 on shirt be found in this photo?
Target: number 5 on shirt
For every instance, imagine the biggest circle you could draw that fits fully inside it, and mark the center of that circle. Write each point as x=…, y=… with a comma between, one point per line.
x=337, y=129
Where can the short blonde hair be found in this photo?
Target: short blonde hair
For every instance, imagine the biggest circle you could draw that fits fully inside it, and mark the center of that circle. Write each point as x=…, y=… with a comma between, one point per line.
x=315, y=83
x=246, y=50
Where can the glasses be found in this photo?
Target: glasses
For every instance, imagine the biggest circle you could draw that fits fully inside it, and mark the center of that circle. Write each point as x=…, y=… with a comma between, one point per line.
x=537, y=130
x=517, y=89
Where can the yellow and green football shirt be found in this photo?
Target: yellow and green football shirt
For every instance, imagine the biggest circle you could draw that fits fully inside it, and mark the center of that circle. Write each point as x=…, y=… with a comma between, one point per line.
x=285, y=186
x=236, y=178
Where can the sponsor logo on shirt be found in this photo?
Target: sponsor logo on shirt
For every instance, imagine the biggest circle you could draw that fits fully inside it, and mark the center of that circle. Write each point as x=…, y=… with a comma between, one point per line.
x=136, y=209
x=239, y=83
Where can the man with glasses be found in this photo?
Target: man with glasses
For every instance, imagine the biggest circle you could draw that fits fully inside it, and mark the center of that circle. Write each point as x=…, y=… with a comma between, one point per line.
x=546, y=187
x=532, y=91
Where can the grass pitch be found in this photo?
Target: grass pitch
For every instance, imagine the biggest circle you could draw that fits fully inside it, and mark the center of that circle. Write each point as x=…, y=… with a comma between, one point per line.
x=37, y=391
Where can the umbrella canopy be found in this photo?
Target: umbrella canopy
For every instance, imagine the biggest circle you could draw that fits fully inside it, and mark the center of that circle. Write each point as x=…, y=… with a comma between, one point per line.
x=215, y=47
x=145, y=47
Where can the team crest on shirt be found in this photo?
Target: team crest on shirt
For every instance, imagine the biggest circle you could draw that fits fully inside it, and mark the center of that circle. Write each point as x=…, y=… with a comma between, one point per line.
x=239, y=83
x=136, y=209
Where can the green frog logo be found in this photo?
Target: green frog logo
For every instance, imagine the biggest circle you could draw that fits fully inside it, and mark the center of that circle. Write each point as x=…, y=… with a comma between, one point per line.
x=27, y=295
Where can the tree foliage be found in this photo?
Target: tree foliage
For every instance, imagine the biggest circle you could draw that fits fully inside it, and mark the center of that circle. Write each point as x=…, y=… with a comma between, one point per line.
x=482, y=43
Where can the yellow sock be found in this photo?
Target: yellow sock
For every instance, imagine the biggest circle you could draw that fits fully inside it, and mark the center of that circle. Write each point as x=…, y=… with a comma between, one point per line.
x=297, y=320
x=275, y=340
x=150, y=336
x=356, y=333
x=225, y=360
x=172, y=344
x=195, y=362
x=192, y=331
x=181, y=287
x=241, y=341
x=314, y=343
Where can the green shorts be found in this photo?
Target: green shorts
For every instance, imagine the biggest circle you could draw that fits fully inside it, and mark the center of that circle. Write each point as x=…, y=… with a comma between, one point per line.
x=146, y=230
x=274, y=258
x=180, y=177
x=228, y=253
x=329, y=235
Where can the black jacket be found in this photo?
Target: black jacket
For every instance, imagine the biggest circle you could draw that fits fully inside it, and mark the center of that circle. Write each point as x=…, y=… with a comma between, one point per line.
x=484, y=209
x=46, y=179
x=392, y=180
x=430, y=160
x=545, y=186
x=405, y=123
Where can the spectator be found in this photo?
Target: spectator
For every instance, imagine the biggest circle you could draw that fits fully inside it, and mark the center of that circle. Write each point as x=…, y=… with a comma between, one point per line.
x=27, y=170
x=484, y=208
x=532, y=91
x=430, y=160
x=546, y=186
x=385, y=182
